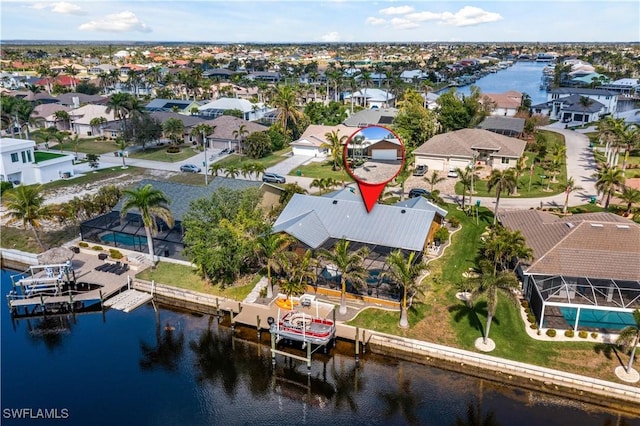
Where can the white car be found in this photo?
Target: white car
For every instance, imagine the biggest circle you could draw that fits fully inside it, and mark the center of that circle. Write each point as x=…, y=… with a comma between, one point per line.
x=452, y=173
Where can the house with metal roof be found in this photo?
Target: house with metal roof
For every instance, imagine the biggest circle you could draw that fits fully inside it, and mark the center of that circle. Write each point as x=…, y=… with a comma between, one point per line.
x=320, y=221
x=129, y=232
x=459, y=148
x=585, y=272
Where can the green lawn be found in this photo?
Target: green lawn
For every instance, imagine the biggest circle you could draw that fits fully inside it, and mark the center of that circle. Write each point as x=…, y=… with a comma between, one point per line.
x=323, y=169
x=85, y=146
x=40, y=156
x=160, y=154
x=185, y=277
x=236, y=160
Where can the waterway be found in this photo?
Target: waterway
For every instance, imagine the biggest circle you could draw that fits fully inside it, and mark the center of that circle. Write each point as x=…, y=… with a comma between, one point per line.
x=179, y=368
x=523, y=77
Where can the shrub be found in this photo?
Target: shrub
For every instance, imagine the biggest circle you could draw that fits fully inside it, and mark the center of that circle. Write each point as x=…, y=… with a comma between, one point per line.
x=97, y=248
x=531, y=318
x=594, y=335
x=454, y=222
x=533, y=326
x=115, y=254
x=4, y=185
x=525, y=304
x=83, y=244
x=582, y=334
x=173, y=149
x=569, y=333
x=263, y=292
x=441, y=234
x=551, y=332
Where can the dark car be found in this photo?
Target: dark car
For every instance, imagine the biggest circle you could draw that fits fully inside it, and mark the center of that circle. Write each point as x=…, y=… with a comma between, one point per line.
x=191, y=168
x=273, y=178
x=419, y=192
x=420, y=170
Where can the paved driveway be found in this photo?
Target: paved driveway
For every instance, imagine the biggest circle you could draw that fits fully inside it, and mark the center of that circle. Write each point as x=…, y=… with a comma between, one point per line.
x=290, y=163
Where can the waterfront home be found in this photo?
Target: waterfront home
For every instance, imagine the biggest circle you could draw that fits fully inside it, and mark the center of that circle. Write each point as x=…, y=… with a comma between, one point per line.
x=129, y=233
x=21, y=164
x=371, y=98
x=186, y=107
x=584, y=273
x=504, y=104
x=371, y=117
x=459, y=148
x=566, y=104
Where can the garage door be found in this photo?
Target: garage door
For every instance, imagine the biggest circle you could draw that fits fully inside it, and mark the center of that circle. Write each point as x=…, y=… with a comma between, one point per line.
x=384, y=154
x=305, y=150
x=458, y=164
x=432, y=163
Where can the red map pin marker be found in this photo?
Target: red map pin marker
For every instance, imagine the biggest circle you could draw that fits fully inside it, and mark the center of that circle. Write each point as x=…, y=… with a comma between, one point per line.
x=373, y=156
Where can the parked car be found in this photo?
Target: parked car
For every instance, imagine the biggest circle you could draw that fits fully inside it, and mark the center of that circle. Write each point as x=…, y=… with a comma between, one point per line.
x=419, y=192
x=452, y=173
x=191, y=168
x=273, y=178
x=420, y=170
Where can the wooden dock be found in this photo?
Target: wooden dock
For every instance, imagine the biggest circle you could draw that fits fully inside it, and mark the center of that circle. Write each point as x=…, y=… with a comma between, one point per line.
x=128, y=300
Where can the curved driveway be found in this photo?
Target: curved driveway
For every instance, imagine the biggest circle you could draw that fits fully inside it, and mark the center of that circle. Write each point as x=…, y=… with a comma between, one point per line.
x=580, y=165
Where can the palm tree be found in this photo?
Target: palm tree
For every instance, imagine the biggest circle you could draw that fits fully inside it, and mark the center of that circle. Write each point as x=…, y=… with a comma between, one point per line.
x=272, y=252
x=300, y=273
x=585, y=102
x=96, y=123
x=174, y=129
x=404, y=272
x=519, y=169
x=434, y=179
x=117, y=103
x=26, y=204
x=232, y=172
x=285, y=101
x=490, y=283
x=629, y=338
x=122, y=145
x=239, y=134
x=335, y=144
x=464, y=176
x=216, y=168
x=630, y=139
x=348, y=265
x=501, y=180
x=318, y=183
x=630, y=196
x=571, y=187
x=152, y=204
x=64, y=117
x=607, y=180
x=201, y=131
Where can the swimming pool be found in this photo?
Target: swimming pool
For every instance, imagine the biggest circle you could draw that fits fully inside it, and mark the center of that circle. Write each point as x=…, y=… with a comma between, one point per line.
x=124, y=239
x=591, y=318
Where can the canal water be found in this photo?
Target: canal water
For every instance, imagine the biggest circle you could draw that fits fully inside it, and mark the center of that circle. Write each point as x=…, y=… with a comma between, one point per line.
x=179, y=368
x=522, y=77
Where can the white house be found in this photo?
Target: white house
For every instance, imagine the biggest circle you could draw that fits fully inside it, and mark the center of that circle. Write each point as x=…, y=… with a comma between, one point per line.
x=371, y=98
x=20, y=163
x=250, y=111
x=311, y=141
x=80, y=119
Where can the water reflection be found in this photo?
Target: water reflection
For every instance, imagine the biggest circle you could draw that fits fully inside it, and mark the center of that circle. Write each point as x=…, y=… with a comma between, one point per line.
x=402, y=401
x=475, y=417
x=166, y=353
x=348, y=382
x=49, y=330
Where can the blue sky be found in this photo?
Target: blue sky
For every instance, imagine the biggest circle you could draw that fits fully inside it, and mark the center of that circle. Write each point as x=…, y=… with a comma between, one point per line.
x=299, y=21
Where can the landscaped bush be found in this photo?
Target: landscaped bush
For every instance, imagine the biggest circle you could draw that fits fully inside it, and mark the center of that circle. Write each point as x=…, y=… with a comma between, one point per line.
x=531, y=318
x=551, y=332
x=4, y=185
x=582, y=334
x=173, y=149
x=594, y=335
x=569, y=333
x=441, y=234
x=83, y=244
x=454, y=222
x=115, y=254
x=524, y=304
x=533, y=326
x=97, y=248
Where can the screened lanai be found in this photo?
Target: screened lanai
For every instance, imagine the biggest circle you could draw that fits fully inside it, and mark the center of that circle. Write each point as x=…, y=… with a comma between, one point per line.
x=582, y=303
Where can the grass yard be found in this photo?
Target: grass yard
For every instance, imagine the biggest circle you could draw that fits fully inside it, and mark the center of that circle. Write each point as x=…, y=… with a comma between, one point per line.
x=323, y=169
x=236, y=160
x=95, y=176
x=185, y=277
x=20, y=239
x=160, y=154
x=443, y=319
x=85, y=146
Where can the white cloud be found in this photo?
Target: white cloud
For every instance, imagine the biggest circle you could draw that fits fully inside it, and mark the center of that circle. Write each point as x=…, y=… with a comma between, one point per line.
x=470, y=15
x=403, y=24
x=331, y=37
x=375, y=21
x=63, y=8
x=117, y=23
x=400, y=10
x=67, y=8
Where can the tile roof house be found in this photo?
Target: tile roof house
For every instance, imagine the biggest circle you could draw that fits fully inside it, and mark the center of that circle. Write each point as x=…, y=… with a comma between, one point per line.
x=311, y=141
x=320, y=221
x=81, y=118
x=250, y=111
x=588, y=262
x=458, y=149
x=371, y=98
x=225, y=134
x=506, y=104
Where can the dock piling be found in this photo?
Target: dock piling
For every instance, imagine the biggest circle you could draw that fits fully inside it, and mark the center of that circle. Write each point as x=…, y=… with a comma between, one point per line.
x=357, y=348
x=258, y=327
x=273, y=349
x=309, y=358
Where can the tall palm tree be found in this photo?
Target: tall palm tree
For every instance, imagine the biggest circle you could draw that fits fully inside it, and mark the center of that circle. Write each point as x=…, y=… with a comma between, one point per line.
x=490, y=283
x=335, y=144
x=301, y=271
x=629, y=338
x=630, y=196
x=201, y=131
x=152, y=204
x=630, y=139
x=122, y=146
x=173, y=129
x=118, y=104
x=349, y=267
x=607, y=180
x=273, y=255
x=571, y=187
x=585, y=102
x=434, y=179
x=404, y=272
x=502, y=181
x=519, y=169
x=26, y=204
x=240, y=134
x=288, y=111
x=464, y=176
x=63, y=117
